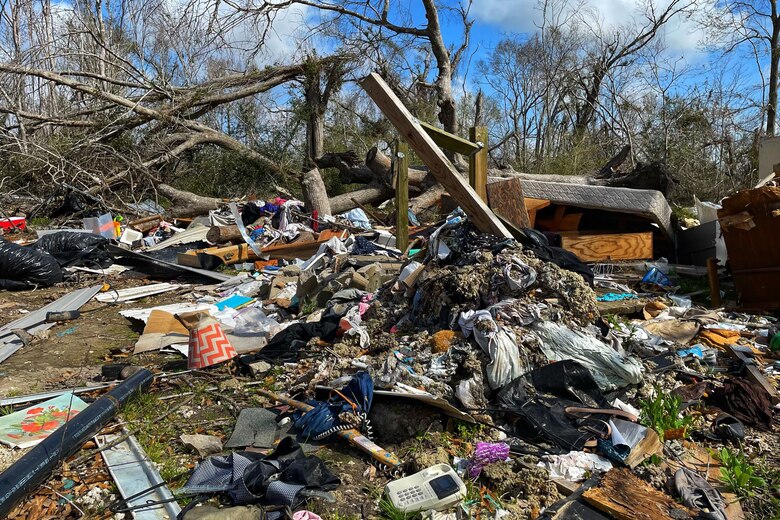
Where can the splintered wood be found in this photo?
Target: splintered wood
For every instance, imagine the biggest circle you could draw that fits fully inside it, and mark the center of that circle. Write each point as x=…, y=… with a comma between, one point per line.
x=625, y=496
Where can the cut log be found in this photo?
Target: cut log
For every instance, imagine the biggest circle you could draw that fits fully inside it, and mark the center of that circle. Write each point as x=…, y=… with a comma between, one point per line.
x=314, y=194
x=187, y=204
x=223, y=234
x=427, y=199
x=146, y=224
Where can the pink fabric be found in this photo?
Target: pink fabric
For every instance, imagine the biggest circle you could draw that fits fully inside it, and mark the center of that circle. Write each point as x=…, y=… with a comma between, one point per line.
x=305, y=515
x=487, y=453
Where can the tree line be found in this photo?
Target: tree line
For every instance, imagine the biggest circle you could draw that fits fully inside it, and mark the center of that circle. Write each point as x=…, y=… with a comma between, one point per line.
x=119, y=96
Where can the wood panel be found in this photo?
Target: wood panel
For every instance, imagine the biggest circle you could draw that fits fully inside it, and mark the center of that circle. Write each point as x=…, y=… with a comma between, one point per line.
x=438, y=164
x=603, y=247
x=505, y=198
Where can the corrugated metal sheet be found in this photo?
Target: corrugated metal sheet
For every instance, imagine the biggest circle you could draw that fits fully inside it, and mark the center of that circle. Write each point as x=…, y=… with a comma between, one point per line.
x=134, y=293
x=35, y=321
x=158, y=265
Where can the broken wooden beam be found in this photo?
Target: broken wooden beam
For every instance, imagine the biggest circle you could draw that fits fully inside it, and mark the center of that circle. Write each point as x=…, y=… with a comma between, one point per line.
x=440, y=167
x=450, y=141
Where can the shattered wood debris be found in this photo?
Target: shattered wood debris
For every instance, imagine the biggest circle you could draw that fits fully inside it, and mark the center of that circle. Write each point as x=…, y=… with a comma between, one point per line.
x=303, y=362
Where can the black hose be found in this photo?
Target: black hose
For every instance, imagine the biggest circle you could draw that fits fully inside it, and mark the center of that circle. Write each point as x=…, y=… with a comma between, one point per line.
x=31, y=471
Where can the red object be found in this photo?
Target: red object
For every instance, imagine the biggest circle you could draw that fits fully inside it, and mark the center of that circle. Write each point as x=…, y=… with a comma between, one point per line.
x=209, y=346
x=315, y=225
x=34, y=411
x=9, y=223
x=51, y=425
x=32, y=427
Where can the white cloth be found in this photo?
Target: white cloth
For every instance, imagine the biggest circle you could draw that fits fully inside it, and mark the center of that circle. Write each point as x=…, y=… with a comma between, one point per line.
x=499, y=343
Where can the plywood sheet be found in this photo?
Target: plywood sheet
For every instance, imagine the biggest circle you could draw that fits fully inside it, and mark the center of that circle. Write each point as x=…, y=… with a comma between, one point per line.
x=606, y=247
x=506, y=199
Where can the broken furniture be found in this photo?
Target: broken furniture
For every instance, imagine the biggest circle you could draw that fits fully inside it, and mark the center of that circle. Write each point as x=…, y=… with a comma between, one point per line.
x=750, y=221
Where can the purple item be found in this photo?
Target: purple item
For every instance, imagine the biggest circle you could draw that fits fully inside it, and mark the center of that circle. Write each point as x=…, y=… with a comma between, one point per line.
x=487, y=453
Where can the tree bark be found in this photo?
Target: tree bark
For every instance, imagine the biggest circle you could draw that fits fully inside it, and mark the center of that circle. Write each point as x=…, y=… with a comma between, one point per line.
x=774, y=71
x=381, y=166
x=314, y=194
x=188, y=204
x=369, y=195
x=222, y=234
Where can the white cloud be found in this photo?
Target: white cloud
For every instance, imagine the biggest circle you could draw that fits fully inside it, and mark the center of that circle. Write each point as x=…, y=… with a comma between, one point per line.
x=524, y=16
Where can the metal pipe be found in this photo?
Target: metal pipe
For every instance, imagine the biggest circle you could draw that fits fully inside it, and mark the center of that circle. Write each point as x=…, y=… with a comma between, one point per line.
x=31, y=471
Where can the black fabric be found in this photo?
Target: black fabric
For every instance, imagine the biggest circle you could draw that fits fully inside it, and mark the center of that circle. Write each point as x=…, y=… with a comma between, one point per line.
x=24, y=267
x=250, y=213
x=80, y=249
x=540, y=397
x=746, y=401
x=565, y=260
x=287, y=345
x=276, y=479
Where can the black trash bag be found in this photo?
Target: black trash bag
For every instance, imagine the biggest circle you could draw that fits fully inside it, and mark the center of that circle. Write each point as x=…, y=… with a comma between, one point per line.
x=24, y=267
x=540, y=398
x=79, y=249
x=71, y=204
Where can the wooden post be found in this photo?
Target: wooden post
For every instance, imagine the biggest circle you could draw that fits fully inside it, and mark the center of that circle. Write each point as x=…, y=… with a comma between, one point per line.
x=429, y=153
x=402, y=196
x=478, y=162
x=712, y=275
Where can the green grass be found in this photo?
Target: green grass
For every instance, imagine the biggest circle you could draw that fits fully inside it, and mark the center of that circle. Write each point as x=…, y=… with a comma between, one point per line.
x=40, y=222
x=739, y=475
x=662, y=412
x=468, y=432
x=388, y=511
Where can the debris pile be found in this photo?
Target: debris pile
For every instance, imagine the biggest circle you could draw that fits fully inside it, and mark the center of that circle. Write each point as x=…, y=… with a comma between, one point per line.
x=261, y=360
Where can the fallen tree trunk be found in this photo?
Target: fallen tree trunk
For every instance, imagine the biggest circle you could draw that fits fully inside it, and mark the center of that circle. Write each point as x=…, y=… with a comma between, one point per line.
x=371, y=195
x=314, y=194
x=188, y=204
x=381, y=166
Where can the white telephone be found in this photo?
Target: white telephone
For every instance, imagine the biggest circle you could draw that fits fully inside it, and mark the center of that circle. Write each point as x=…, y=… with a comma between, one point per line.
x=435, y=488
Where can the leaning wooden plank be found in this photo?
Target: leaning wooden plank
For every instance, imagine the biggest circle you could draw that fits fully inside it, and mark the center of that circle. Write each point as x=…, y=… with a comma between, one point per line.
x=438, y=164
x=450, y=141
x=626, y=497
x=609, y=246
